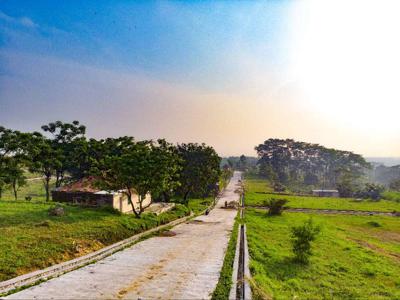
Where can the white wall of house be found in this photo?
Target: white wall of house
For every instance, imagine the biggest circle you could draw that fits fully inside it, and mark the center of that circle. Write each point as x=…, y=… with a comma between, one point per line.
x=120, y=202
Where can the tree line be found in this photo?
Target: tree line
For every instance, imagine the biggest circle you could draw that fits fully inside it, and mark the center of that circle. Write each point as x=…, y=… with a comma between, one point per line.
x=289, y=162
x=62, y=151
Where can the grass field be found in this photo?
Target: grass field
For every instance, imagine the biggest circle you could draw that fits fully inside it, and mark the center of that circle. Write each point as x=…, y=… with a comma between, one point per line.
x=30, y=239
x=355, y=257
x=33, y=188
x=257, y=191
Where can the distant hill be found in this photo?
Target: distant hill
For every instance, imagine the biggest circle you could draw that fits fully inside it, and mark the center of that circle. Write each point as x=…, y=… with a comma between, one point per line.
x=387, y=161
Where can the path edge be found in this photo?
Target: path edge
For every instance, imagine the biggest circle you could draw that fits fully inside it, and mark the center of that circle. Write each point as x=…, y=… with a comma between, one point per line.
x=32, y=278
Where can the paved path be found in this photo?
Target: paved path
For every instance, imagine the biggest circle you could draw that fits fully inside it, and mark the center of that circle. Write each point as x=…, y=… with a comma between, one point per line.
x=185, y=266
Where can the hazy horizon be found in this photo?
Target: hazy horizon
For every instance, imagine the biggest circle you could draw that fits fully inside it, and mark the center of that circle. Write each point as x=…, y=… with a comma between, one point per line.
x=230, y=74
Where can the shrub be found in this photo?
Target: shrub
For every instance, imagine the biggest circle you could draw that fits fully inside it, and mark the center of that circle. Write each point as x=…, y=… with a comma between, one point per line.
x=372, y=191
x=391, y=196
x=374, y=224
x=275, y=206
x=279, y=187
x=395, y=185
x=302, y=236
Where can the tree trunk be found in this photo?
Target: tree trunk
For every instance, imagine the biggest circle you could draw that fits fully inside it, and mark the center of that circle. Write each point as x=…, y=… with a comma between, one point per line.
x=59, y=178
x=1, y=193
x=141, y=199
x=47, y=187
x=185, y=198
x=14, y=186
x=166, y=197
x=140, y=204
x=137, y=214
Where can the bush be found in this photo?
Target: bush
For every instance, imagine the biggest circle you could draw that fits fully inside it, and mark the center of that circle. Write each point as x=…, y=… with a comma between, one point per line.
x=279, y=187
x=372, y=191
x=391, y=196
x=395, y=185
x=275, y=206
x=302, y=236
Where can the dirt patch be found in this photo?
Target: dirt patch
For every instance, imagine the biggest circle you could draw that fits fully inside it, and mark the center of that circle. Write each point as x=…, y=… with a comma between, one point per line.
x=154, y=271
x=199, y=222
x=195, y=222
x=167, y=233
x=388, y=236
x=375, y=248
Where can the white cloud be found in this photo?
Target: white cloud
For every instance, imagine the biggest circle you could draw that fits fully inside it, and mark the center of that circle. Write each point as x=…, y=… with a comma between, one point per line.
x=23, y=21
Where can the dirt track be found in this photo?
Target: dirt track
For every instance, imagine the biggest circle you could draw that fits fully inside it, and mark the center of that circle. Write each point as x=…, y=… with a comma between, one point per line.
x=335, y=211
x=181, y=266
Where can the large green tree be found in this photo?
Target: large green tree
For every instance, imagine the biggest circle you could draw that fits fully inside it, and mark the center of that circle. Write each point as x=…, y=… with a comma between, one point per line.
x=14, y=175
x=45, y=159
x=67, y=139
x=13, y=156
x=200, y=169
x=136, y=168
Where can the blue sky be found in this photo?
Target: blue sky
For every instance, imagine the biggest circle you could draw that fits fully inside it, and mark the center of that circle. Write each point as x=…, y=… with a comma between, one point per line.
x=183, y=40
x=228, y=73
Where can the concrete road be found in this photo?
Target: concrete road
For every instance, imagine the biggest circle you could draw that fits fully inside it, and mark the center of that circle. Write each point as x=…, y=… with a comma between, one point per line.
x=184, y=266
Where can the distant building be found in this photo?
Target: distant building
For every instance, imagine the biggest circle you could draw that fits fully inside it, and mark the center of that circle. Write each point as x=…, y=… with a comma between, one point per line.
x=326, y=193
x=84, y=192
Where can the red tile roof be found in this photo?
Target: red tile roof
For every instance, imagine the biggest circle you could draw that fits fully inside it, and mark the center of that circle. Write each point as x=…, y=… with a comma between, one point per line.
x=84, y=185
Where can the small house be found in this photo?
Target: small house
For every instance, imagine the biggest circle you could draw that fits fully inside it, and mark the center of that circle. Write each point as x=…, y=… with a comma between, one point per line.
x=325, y=193
x=85, y=193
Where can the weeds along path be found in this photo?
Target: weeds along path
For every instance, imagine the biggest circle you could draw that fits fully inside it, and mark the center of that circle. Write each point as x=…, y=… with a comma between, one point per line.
x=181, y=266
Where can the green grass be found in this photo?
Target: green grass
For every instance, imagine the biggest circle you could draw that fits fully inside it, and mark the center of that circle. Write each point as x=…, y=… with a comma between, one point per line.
x=31, y=175
x=355, y=257
x=199, y=205
x=224, y=284
x=30, y=239
x=391, y=196
x=33, y=188
x=257, y=191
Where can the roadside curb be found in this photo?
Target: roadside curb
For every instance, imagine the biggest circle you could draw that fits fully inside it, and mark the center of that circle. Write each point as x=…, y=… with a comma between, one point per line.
x=240, y=289
x=62, y=268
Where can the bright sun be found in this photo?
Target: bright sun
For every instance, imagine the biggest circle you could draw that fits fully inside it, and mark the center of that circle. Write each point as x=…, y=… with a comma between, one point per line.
x=345, y=57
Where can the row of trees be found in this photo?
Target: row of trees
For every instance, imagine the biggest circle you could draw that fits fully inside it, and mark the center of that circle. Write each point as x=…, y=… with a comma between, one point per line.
x=291, y=162
x=62, y=151
x=242, y=163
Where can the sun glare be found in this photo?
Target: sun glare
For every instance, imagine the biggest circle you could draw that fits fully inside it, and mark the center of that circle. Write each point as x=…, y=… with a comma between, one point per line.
x=345, y=57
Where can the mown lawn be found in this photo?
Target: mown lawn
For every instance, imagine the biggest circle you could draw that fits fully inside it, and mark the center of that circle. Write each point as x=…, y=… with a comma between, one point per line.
x=355, y=257
x=257, y=191
x=30, y=239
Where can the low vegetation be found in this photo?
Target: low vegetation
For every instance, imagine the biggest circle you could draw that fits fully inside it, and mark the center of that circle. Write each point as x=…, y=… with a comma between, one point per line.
x=302, y=237
x=355, y=257
x=391, y=196
x=224, y=284
x=258, y=191
x=275, y=206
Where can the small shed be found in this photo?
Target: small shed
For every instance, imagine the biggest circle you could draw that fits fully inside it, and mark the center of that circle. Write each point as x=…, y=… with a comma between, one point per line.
x=84, y=192
x=326, y=193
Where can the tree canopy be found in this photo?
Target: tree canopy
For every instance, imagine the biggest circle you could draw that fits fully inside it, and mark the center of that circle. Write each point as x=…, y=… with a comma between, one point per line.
x=289, y=161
